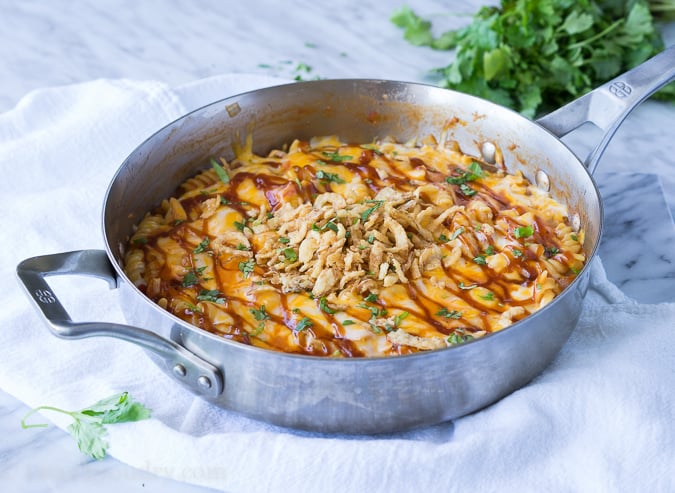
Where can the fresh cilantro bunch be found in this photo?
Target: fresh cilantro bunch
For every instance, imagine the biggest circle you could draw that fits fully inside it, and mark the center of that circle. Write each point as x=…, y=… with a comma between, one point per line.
x=536, y=55
x=88, y=427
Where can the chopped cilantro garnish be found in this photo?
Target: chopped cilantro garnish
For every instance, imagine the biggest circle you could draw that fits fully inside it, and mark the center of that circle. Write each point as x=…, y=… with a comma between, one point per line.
x=247, y=267
x=290, y=254
x=372, y=298
x=467, y=190
x=551, y=251
x=323, y=305
x=220, y=171
x=260, y=314
x=284, y=240
x=375, y=311
x=489, y=296
x=212, y=295
x=371, y=147
x=480, y=260
x=475, y=173
x=194, y=308
x=336, y=157
x=366, y=214
x=523, y=231
x=202, y=247
x=348, y=322
x=456, y=233
x=190, y=278
x=303, y=324
x=330, y=177
x=331, y=225
x=258, y=330
x=517, y=253
x=240, y=225
x=400, y=317
x=444, y=312
x=457, y=338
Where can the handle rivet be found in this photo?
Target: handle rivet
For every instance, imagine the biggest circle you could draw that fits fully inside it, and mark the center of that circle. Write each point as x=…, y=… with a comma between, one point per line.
x=543, y=181
x=204, y=382
x=179, y=370
x=489, y=152
x=575, y=222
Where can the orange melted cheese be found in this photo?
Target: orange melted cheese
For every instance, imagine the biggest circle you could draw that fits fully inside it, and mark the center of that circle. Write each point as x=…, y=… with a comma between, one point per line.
x=336, y=249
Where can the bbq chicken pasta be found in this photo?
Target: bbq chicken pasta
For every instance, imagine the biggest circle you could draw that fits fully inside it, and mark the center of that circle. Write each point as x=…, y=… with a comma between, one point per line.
x=334, y=249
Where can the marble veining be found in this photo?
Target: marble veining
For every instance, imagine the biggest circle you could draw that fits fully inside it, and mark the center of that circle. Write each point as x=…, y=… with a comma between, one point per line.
x=44, y=44
x=636, y=248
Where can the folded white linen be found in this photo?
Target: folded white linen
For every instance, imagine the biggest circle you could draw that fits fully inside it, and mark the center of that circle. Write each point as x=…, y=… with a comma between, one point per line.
x=600, y=418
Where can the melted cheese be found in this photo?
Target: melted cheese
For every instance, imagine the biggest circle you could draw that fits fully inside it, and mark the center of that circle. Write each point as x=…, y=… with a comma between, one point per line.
x=344, y=250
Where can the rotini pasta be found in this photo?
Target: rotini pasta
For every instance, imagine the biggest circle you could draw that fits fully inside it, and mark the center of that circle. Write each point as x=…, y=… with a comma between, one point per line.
x=344, y=250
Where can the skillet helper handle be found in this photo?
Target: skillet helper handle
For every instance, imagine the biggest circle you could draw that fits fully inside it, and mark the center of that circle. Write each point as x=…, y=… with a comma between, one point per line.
x=608, y=105
x=199, y=375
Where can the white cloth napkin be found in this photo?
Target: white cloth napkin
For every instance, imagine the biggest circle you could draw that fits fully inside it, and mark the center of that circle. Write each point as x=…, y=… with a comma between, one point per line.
x=600, y=418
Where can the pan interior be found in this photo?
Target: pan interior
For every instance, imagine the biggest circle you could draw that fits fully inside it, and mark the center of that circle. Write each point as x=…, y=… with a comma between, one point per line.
x=357, y=111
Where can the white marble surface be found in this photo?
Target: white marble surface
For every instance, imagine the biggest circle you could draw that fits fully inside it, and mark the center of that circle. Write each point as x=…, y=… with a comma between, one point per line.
x=53, y=43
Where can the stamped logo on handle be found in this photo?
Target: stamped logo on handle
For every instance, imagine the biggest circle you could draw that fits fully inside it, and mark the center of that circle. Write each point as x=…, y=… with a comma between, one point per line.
x=620, y=89
x=44, y=296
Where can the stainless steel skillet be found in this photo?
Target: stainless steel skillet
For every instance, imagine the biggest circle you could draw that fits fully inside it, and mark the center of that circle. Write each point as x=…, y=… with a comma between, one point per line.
x=370, y=395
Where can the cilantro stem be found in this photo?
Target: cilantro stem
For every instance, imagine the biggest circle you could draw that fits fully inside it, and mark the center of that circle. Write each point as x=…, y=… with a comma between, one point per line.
x=37, y=410
x=604, y=32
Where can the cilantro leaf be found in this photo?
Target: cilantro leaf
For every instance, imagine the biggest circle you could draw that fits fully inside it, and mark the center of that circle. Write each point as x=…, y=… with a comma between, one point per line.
x=336, y=157
x=212, y=295
x=323, y=306
x=202, y=247
x=417, y=31
x=246, y=267
x=459, y=338
x=329, y=177
x=400, y=317
x=260, y=314
x=303, y=324
x=220, y=171
x=366, y=214
x=536, y=56
x=88, y=426
x=290, y=254
x=456, y=233
x=523, y=232
x=444, y=312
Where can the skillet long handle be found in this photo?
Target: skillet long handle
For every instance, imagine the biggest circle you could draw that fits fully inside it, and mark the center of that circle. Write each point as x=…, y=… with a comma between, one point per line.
x=201, y=376
x=608, y=105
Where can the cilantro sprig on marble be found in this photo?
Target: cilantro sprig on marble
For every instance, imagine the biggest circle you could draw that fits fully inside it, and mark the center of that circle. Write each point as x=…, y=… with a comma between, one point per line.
x=89, y=424
x=537, y=55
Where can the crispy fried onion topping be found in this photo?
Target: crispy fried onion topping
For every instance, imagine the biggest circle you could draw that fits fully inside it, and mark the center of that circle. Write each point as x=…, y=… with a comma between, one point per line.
x=335, y=244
